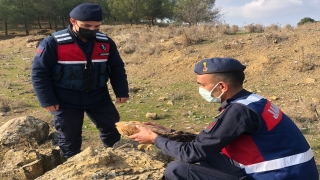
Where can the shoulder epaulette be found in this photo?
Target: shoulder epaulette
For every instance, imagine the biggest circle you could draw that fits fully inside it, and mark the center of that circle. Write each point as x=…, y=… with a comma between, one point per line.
x=62, y=37
x=249, y=99
x=101, y=37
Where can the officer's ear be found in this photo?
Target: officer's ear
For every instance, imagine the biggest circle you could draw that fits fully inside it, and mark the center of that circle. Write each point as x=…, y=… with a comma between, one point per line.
x=224, y=86
x=72, y=21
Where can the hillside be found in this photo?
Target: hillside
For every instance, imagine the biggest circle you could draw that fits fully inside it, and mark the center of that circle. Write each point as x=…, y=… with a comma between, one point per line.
x=283, y=64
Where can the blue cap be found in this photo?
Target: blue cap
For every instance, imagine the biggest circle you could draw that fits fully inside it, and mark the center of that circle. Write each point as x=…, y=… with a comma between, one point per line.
x=87, y=12
x=217, y=65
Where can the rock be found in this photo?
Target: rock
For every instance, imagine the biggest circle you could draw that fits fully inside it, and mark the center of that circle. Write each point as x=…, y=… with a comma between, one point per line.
x=134, y=89
x=151, y=116
x=316, y=100
x=170, y=103
x=41, y=31
x=162, y=99
x=51, y=158
x=13, y=174
x=310, y=80
x=273, y=98
x=38, y=38
x=28, y=164
x=23, y=130
x=53, y=136
x=33, y=169
x=33, y=44
x=108, y=164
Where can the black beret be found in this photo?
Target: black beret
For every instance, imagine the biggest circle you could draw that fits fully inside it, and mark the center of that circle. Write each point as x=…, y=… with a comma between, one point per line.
x=87, y=12
x=217, y=65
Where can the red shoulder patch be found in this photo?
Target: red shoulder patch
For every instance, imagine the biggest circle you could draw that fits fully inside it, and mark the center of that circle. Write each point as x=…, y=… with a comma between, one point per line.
x=211, y=125
x=39, y=51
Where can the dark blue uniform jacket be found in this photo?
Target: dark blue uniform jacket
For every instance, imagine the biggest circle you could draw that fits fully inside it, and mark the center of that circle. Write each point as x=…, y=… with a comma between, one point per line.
x=236, y=119
x=49, y=94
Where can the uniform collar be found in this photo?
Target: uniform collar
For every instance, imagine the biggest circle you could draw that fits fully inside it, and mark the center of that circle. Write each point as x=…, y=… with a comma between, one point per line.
x=226, y=103
x=71, y=31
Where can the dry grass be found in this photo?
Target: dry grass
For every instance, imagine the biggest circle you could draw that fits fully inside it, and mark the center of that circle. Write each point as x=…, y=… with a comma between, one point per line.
x=306, y=61
x=288, y=27
x=252, y=28
x=4, y=104
x=272, y=28
x=5, y=84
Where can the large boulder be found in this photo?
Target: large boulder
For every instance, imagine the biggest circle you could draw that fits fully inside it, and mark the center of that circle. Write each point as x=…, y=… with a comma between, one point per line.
x=23, y=130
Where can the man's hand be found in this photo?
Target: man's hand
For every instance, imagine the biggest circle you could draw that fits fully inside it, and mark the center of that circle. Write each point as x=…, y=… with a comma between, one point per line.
x=145, y=136
x=52, y=108
x=158, y=126
x=121, y=99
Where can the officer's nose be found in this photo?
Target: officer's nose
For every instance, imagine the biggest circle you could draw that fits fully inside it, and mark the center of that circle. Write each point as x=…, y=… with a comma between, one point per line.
x=92, y=28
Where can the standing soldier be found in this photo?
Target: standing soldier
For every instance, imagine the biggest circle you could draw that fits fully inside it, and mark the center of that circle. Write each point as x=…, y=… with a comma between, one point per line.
x=69, y=74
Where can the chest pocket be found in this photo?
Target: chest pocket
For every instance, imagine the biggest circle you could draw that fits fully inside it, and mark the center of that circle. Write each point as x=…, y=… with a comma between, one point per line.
x=76, y=76
x=69, y=76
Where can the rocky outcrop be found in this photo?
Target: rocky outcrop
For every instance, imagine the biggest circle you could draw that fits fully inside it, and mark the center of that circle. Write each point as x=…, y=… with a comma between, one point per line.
x=23, y=157
x=23, y=130
x=118, y=164
x=28, y=164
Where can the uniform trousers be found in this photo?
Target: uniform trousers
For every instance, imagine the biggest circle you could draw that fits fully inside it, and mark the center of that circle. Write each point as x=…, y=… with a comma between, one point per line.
x=69, y=121
x=223, y=169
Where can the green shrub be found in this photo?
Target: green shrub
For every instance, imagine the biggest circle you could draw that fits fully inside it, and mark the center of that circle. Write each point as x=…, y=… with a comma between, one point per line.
x=305, y=20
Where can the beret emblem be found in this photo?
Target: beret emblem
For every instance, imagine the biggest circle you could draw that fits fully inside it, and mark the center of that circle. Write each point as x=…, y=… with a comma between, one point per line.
x=204, y=69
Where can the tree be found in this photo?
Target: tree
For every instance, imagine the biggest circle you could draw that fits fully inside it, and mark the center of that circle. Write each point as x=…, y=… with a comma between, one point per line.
x=56, y=10
x=4, y=16
x=21, y=12
x=305, y=20
x=127, y=10
x=153, y=9
x=196, y=11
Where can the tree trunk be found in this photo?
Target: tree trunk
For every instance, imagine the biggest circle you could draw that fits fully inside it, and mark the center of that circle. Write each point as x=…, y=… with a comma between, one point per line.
x=6, y=27
x=50, y=25
x=63, y=23
x=39, y=24
x=55, y=24
x=152, y=23
x=26, y=28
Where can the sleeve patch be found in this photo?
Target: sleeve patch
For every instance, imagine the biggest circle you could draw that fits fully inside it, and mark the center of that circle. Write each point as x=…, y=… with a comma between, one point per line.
x=39, y=51
x=211, y=125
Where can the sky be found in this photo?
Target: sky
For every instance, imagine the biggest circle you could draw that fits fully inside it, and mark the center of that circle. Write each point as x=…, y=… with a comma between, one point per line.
x=266, y=12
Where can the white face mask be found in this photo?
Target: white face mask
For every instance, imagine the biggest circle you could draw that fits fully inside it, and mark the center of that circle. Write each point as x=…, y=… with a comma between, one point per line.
x=207, y=95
